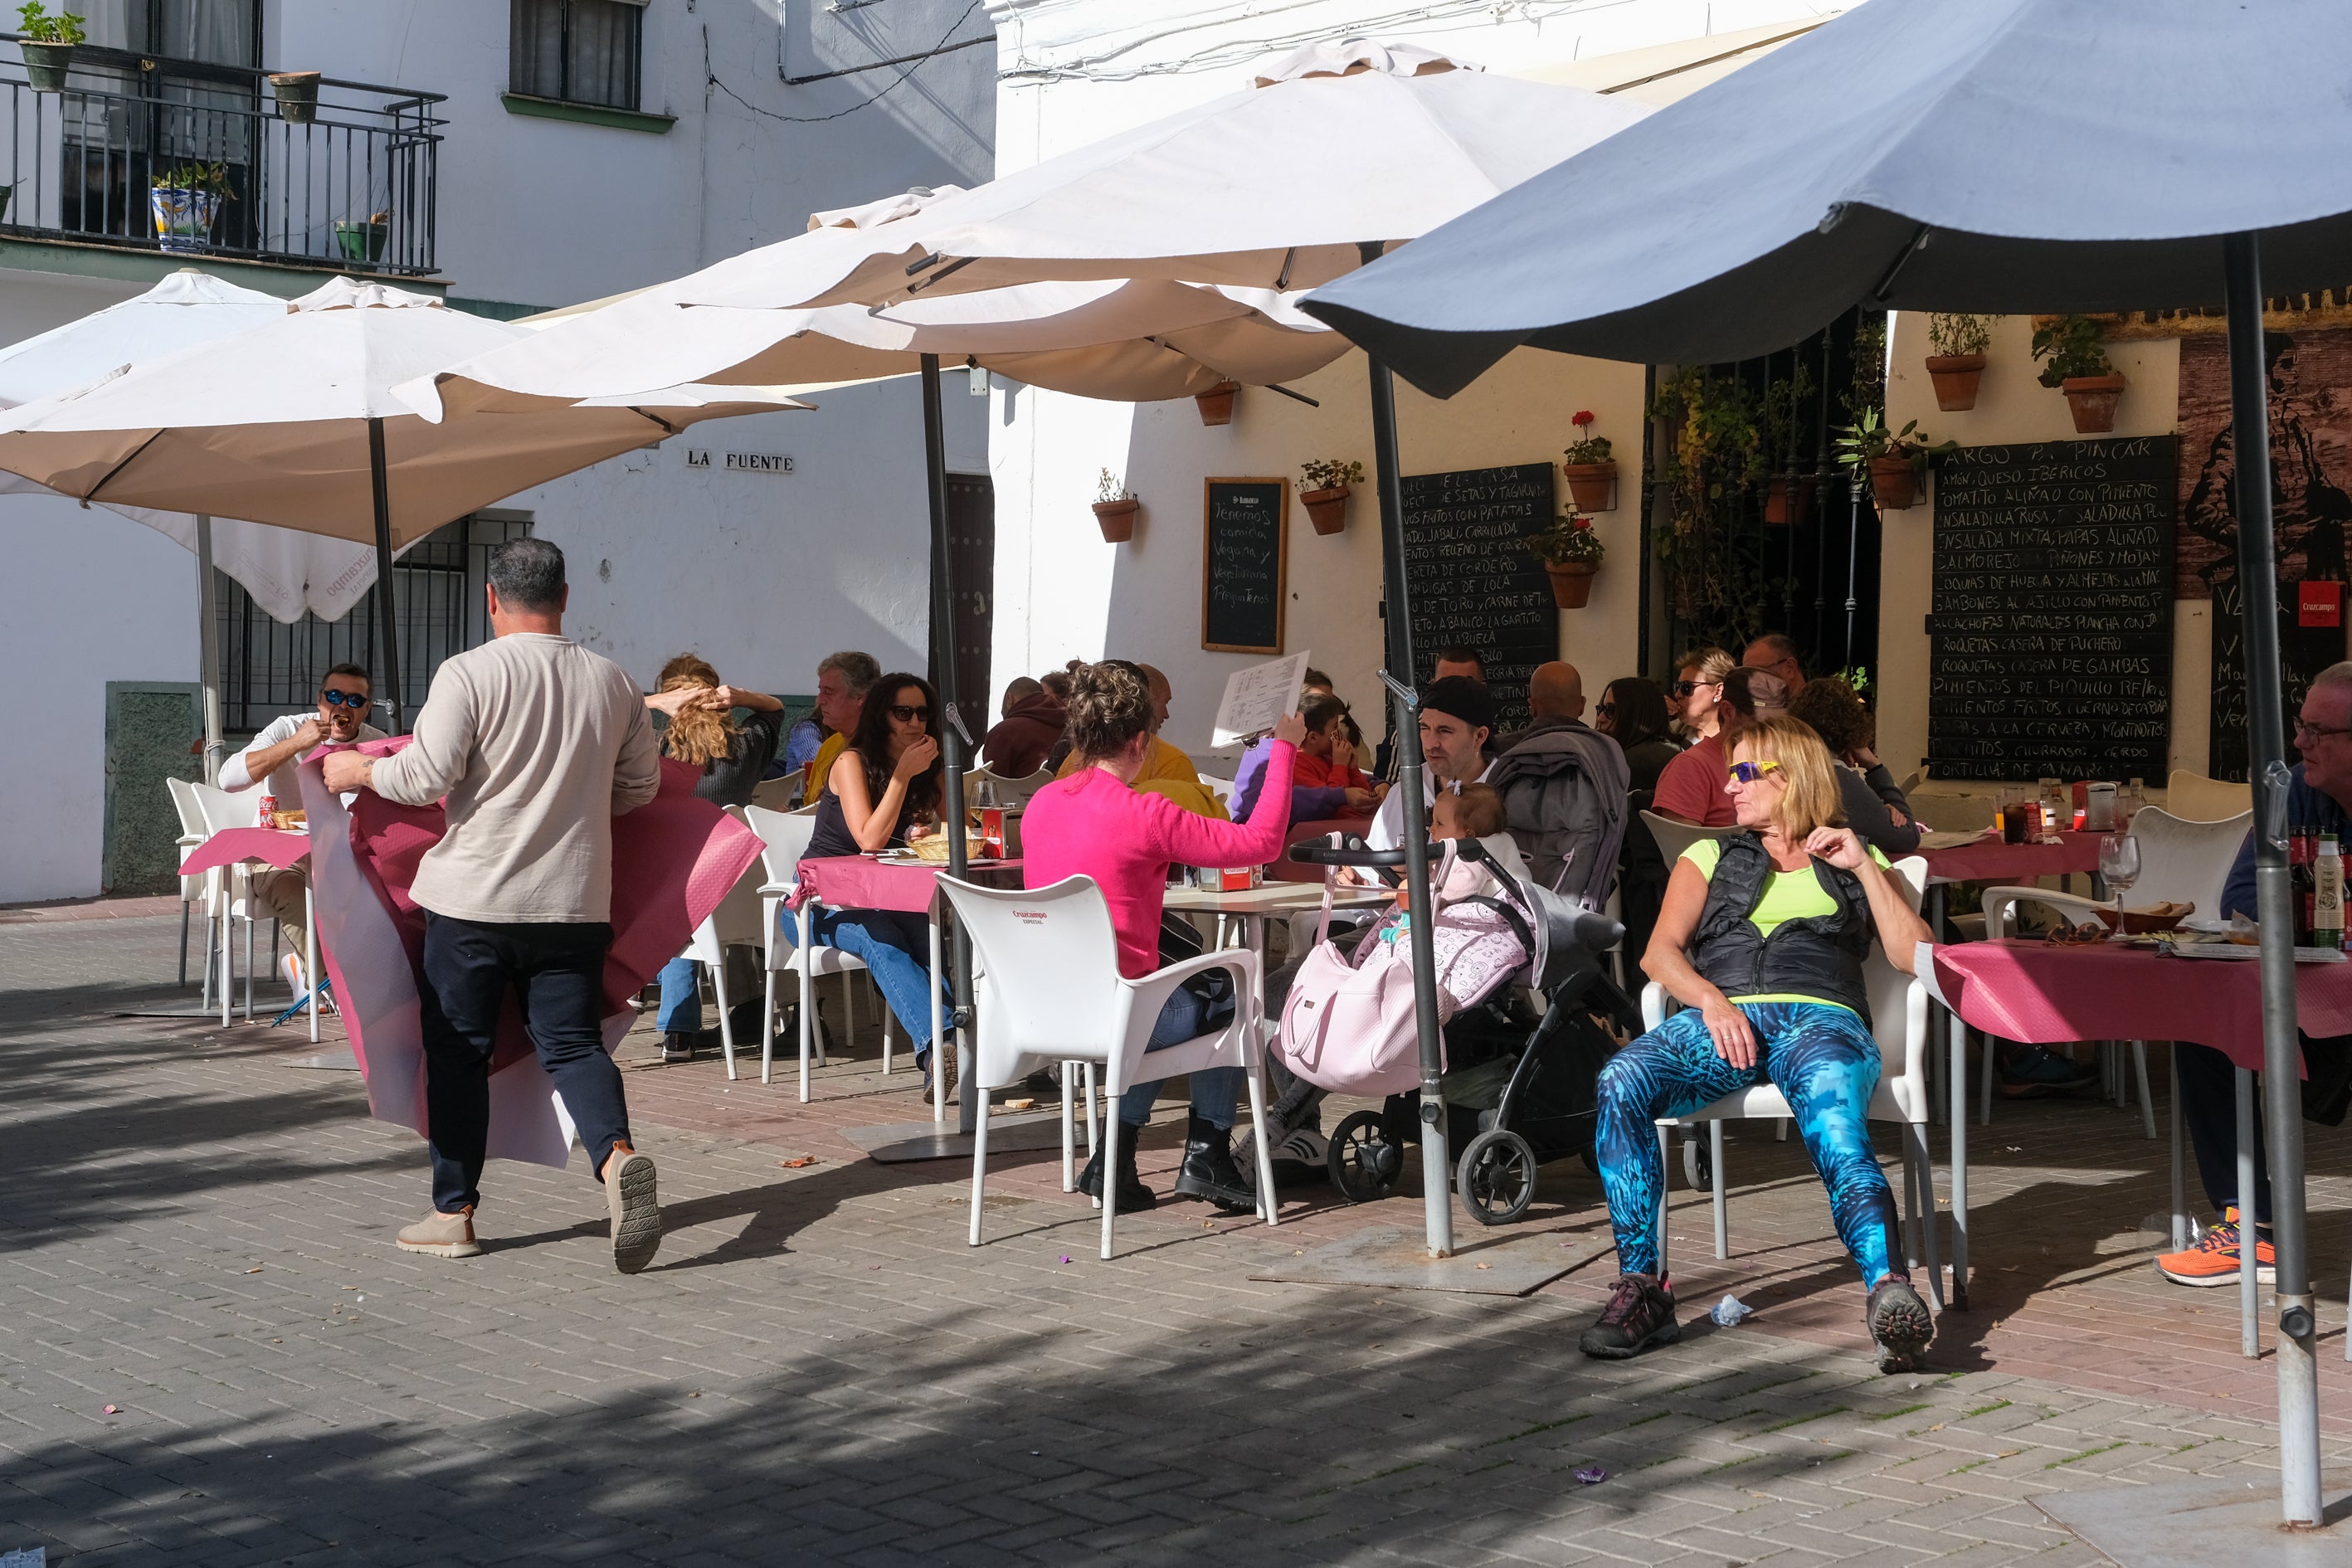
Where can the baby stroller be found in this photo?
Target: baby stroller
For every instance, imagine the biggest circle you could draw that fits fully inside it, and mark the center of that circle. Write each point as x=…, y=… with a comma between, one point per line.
x=1523, y=1057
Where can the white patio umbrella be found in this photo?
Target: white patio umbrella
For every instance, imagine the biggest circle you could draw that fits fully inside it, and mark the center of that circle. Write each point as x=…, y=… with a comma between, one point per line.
x=1983, y=155
x=287, y=573
x=294, y=423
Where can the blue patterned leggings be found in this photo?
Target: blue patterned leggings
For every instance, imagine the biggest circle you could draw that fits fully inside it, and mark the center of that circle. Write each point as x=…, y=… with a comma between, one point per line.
x=1821, y=1058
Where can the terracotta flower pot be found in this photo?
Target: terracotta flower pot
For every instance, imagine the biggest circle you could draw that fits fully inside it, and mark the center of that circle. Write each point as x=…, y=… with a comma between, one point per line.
x=1117, y=519
x=2092, y=399
x=1787, y=502
x=1593, y=484
x=1326, y=509
x=1571, y=582
x=1956, y=377
x=1894, y=482
x=1216, y=405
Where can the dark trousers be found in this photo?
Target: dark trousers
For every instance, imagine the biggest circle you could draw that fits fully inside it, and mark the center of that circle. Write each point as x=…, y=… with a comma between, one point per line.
x=2208, y=1110
x=557, y=972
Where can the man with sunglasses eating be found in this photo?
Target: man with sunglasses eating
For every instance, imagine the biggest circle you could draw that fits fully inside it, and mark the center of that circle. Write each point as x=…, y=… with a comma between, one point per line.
x=270, y=761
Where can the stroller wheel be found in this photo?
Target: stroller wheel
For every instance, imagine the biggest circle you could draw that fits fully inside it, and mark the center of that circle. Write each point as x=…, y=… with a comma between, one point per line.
x=1363, y=1162
x=1698, y=1162
x=1497, y=1176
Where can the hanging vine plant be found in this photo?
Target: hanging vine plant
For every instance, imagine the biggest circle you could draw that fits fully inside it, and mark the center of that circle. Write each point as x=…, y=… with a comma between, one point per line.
x=1714, y=580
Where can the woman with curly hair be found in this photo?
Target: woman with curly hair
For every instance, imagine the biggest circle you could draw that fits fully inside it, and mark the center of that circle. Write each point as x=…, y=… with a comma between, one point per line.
x=1874, y=804
x=1095, y=824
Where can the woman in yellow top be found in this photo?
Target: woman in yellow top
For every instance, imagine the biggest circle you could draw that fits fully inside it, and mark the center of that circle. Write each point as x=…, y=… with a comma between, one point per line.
x=1166, y=769
x=1762, y=938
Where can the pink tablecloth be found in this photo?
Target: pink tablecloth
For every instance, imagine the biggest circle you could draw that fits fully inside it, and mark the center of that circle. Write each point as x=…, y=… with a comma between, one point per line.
x=2042, y=994
x=275, y=845
x=863, y=882
x=1991, y=860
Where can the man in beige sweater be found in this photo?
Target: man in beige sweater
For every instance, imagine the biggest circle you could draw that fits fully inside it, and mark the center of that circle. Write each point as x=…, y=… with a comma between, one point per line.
x=534, y=744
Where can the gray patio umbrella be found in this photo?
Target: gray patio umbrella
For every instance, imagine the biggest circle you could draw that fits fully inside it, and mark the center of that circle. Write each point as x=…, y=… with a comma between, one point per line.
x=1988, y=156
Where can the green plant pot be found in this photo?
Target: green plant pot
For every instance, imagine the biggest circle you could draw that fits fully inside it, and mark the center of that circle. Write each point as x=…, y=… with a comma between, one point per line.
x=45, y=65
x=298, y=96
x=363, y=242
x=5, y=192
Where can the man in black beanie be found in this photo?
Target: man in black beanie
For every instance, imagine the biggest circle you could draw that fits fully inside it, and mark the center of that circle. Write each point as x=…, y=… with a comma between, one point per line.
x=1456, y=714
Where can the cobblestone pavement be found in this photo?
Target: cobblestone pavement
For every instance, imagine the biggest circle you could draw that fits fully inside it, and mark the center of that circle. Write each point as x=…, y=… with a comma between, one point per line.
x=197, y=1234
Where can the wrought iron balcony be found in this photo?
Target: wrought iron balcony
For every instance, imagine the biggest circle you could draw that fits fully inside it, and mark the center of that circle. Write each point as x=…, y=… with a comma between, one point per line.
x=109, y=157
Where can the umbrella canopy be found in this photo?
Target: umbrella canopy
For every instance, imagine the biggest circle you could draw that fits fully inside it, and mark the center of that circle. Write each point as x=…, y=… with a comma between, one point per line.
x=1987, y=155
x=1276, y=186
x=287, y=573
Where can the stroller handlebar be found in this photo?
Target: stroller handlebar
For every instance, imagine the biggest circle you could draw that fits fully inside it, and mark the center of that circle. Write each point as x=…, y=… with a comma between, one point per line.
x=1353, y=852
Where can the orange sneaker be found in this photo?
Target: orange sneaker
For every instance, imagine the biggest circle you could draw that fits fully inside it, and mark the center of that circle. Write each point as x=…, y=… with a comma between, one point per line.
x=2213, y=1260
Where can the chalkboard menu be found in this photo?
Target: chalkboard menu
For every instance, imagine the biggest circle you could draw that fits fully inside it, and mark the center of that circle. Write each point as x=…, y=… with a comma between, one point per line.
x=2051, y=644
x=1244, y=564
x=1473, y=580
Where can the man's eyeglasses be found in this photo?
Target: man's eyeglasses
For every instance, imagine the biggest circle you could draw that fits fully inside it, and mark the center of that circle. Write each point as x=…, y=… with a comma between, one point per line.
x=906, y=713
x=344, y=699
x=1748, y=773
x=2304, y=734
x=1690, y=687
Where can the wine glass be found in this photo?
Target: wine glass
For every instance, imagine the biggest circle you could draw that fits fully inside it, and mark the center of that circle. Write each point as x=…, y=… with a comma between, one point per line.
x=2120, y=868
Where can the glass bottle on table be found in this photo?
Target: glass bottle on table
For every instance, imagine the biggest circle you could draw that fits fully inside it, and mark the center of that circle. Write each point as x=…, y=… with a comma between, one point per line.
x=2302, y=853
x=2327, y=894
x=2057, y=810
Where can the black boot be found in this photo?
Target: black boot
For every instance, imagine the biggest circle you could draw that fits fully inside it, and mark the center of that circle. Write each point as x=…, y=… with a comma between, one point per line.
x=1209, y=1170
x=1133, y=1195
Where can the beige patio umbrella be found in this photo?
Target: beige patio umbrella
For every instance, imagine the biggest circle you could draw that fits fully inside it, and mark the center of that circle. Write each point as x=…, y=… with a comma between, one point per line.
x=294, y=423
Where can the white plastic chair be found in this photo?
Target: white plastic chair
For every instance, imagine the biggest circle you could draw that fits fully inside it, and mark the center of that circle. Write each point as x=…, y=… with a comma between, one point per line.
x=2193, y=797
x=1898, y=1008
x=1048, y=989
x=783, y=839
x=1010, y=792
x=1221, y=788
x=220, y=810
x=198, y=889
x=1674, y=838
x=734, y=923
x=2180, y=860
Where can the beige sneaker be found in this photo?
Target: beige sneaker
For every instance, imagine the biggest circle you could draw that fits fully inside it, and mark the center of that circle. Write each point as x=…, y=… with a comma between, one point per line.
x=442, y=1236
x=637, y=1217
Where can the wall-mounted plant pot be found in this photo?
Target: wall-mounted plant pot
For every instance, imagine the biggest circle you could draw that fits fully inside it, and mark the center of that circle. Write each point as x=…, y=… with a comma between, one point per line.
x=1896, y=483
x=1956, y=377
x=1571, y=582
x=1593, y=486
x=298, y=96
x=1116, y=520
x=2092, y=400
x=1326, y=510
x=45, y=65
x=1216, y=405
x=1787, y=502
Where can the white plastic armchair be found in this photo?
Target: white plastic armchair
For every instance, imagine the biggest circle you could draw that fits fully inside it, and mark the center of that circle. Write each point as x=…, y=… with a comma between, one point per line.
x=1009, y=791
x=1672, y=838
x=734, y=923
x=1047, y=989
x=1898, y=1008
x=202, y=889
x=783, y=839
x=234, y=887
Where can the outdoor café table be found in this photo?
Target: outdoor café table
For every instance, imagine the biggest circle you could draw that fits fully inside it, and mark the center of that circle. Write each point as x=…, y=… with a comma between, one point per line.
x=273, y=847
x=1989, y=859
x=2043, y=993
x=906, y=887
x=1253, y=906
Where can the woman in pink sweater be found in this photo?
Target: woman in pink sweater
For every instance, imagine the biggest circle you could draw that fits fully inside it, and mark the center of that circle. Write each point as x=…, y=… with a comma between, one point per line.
x=1092, y=824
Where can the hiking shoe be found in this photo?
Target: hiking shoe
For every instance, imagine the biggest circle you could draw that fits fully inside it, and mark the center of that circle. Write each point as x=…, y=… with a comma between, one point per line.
x=2039, y=1070
x=636, y=1217
x=1899, y=1324
x=442, y=1236
x=1133, y=1195
x=2213, y=1259
x=1640, y=1313
x=1208, y=1171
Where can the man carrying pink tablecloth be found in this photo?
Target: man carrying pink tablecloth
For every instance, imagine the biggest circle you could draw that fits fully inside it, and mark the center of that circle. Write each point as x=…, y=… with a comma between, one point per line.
x=534, y=744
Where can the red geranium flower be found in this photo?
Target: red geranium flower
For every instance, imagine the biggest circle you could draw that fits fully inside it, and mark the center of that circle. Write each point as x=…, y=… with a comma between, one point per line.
x=1582, y=418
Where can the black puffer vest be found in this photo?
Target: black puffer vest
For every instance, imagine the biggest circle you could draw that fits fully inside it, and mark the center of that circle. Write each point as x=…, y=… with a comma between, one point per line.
x=1820, y=955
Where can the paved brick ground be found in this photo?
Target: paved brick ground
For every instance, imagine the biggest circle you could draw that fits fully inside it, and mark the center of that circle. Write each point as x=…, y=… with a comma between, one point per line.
x=198, y=1234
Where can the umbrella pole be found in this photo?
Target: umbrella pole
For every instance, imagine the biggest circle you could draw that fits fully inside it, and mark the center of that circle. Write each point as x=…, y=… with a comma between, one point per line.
x=1436, y=1167
x=208, y=649
x=387, y=638
x=2298, y=1387
x=952, y=738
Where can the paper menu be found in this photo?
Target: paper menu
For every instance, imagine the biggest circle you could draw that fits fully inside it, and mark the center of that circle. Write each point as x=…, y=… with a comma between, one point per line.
x=1257, y=695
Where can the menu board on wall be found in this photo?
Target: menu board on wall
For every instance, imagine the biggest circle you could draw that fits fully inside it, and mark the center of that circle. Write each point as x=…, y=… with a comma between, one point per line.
x=2051, y=642
x=1244, y=564
x=1473, y=579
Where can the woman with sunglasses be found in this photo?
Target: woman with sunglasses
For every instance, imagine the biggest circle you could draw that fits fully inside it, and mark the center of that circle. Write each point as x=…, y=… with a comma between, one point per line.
x=1762, y=939
x=885, y=789
x=1696, y=691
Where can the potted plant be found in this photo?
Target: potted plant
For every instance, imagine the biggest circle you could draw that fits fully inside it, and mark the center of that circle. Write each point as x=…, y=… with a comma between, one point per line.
x=1895, y=459
x=185, y=199
x=1216, y=405
x=1788, y=495
x=1570, y=553
x=1115, y=510
x=298, y=96
x=1327, y=490
x=1958, y=361
x=2079, y=367
x=47, y=43
x=1591, y=473
x=364, y=242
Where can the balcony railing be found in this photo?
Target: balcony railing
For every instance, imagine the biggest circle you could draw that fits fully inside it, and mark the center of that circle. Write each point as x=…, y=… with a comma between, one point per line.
x=353, y=189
